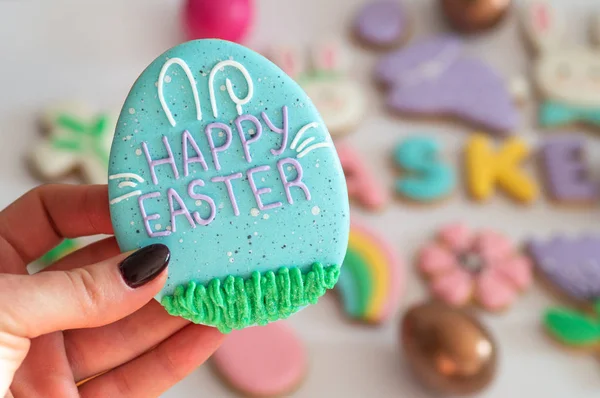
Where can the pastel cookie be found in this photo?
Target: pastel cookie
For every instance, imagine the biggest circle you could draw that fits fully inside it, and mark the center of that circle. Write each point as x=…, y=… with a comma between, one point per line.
x=77, y=141
x=574, y=329
x=464, y=266
x=264, y=361
x=472, y=16
x=566, y=75
x=433, y=78
x=381, y=23
x=425, y=177
x=488, y=168
x=222, y=157
x=571, y=265
x=567, y=175
x=363, y=186
x=372, y=278
x=325, y=77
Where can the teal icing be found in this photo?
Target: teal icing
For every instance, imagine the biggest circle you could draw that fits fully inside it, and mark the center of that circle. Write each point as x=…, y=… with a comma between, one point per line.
x=552, y=113
x=427, y=177
x=301, y=233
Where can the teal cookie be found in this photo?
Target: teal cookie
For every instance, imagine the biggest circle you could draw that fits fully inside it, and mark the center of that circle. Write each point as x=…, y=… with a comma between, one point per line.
x=222, y=157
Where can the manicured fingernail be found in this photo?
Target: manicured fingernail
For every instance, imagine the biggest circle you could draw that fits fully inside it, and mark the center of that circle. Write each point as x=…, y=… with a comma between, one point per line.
x=144, y=265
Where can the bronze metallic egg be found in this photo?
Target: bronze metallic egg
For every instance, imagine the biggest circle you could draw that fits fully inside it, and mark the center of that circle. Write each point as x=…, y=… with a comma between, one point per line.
x=449, y=350
x=471, y=16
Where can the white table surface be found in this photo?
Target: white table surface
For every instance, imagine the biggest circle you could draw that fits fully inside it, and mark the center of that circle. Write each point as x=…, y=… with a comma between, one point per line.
x=93, y=50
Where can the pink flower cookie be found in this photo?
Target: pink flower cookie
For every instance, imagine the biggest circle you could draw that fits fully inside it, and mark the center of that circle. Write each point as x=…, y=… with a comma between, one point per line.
x=464, y=266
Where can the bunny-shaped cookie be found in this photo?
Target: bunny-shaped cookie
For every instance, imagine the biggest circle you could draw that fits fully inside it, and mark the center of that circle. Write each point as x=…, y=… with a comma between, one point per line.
x=567, y=76
x=339, y=100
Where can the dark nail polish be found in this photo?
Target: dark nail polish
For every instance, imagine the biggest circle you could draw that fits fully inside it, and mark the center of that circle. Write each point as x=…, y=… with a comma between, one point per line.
x=144, y=265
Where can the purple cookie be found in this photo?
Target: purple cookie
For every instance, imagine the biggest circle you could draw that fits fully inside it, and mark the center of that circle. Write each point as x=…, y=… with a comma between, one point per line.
x=571, y=265
x=433, y=78
x=567, y=174
x=381, y=23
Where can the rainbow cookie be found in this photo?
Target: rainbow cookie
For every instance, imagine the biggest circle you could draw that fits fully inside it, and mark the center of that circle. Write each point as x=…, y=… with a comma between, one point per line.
x=433, y=78
x=487, y=168
x=567, y=175
x=363, y=186
x=574, y=329
x=222, y=157
x=372, y=280
x=426, y=178
x=382, y=23
x=571, y=266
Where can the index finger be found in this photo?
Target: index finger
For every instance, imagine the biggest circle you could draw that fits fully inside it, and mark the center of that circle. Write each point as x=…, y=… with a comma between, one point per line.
x=40, y=219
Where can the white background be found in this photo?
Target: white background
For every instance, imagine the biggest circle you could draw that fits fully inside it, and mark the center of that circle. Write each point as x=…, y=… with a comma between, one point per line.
x=53, y=50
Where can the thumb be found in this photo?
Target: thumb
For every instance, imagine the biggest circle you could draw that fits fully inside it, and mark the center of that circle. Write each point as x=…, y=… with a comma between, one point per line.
x=91, y=296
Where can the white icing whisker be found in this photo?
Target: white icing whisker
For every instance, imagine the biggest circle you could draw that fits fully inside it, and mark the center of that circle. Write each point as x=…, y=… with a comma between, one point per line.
x=305, y=143
x=126, y=175
x=313, y=147
x=127, y=184
x=192, y=81
x=126, y=196
x=238, y=102
x=301, y=132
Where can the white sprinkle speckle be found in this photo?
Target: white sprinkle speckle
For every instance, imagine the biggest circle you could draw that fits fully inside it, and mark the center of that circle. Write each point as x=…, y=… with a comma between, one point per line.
x=229, y=254
x=158, y=227
x=167, y=79
x=315, y=210
x=263, y=179
x=255, y=233
x=132, y=223
x=198, y=203
x=222, y=87
x=168, y=228
x=231, y=260
x=265, y=217
x=289, y=168
x=221, y=205
x=132, y=110
x=180, y=240
x=317, y=165
x=251, y=131
x=138, y=152
x=254, y=212
x=221, y=134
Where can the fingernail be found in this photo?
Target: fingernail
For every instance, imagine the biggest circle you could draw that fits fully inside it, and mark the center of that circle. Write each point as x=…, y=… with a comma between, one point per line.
x=144, y=265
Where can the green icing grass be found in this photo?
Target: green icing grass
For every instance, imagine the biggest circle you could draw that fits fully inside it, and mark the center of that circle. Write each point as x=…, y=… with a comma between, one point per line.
x=236, y=303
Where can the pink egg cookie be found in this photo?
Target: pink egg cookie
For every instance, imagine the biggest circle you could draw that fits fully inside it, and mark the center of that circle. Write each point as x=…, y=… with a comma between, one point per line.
x=463, y=266
x=262, y=361
x=222, y=19
x=363, y=186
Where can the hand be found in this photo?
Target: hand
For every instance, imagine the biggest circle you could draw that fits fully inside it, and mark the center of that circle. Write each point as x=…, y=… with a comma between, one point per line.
x=75, y=321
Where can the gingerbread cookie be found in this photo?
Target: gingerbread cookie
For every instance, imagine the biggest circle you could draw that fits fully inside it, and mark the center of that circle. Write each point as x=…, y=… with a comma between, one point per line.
x=77, y=140
x=363, y=186
x=327, y=82
x=566, y=76
x=222, y=157
x=463, y=266
x=487, y=168
x=433, y=78
x=567, y=175
x=570, y=265
x=425, y=178
x=372, y=278
x=266, y=361
x=382, y=23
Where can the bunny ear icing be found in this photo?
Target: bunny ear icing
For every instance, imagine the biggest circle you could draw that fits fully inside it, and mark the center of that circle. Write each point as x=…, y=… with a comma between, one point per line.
x=543, y=25
x=290, y=59
x=330, y=55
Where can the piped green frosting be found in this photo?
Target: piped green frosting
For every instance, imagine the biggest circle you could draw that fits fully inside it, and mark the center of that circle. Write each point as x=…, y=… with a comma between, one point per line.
x=236, y=303
x=572, y=327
